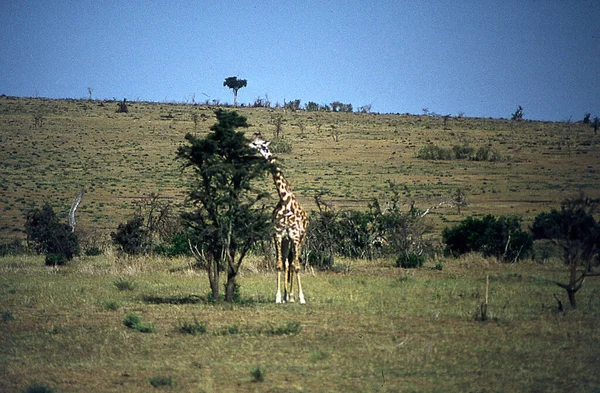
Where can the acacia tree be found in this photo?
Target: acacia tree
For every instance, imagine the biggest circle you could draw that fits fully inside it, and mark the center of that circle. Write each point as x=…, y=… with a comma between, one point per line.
x=235, y=84
x=226, y=216
x=577, y=232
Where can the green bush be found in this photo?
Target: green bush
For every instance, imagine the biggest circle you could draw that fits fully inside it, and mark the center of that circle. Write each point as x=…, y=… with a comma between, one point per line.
x=501, y=237
x=134, y=321
x=258, y=374
x=433, y=152
x=123, y=284
x=93, y=251
x=177, y=246
x=193, y=328
x=410, y=261
x=279, y=146
x=161, y=380
x=132, y=237
x=463, y=152
x=55, y=259
x=13, y=247
x=48, y=236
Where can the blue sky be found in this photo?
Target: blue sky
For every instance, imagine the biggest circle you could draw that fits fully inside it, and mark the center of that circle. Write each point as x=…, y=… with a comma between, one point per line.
x=480, y=58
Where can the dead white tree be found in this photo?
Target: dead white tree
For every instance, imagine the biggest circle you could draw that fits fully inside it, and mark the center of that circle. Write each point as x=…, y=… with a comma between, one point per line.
x=74, y=207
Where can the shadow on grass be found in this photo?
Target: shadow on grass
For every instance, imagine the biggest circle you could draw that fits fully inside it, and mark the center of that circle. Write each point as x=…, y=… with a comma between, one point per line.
x=208, y=299
x=189, y=299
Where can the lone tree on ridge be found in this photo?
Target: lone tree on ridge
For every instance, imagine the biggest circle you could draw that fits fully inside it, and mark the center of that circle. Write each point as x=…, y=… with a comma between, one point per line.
x=235, y=84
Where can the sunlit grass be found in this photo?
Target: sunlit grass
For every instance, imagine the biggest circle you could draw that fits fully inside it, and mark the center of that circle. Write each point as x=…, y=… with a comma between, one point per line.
x=374, y=324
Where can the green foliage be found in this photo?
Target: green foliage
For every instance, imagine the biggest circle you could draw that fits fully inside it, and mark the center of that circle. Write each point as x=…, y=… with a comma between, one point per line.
x=575, y=229
x=111, y=305
x=175, y=247
x=134, y=321
x=378, y=231
x=193, y=328
x=288, y=328
x=161, y=380
x=279, y=146
x=48, y=236
x=258, y=374
x=55, y=259
x=123, y=284
x=433, y=152
x=13, y=247
x=6, y=316
x=93, y=251
x=410, y=261
x=459, y=152
x=518, y=114
x=235, y=84
x=132, y=237
x=463, y=152
x=501, y=237
x=227, y=215
x=338, y=106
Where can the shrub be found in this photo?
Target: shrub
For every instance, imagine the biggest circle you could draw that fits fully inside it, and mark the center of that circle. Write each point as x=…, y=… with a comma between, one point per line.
x=410, y=261
x=288, y=328
x=193, y=328
x=433, y=152
x=500, y=237
x=55, y=259
x=463, y=152
x=134, y=321
x=93, y=251
x=111, y=305
x=48, y=236
x=279, y=146
x=161, y=380
x=12, y=247
x=176, y=246
x=131, y=236
x=123, y=284
x=258, y=374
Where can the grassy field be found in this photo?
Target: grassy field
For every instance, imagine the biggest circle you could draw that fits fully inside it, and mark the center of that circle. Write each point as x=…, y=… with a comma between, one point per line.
x=118, y=157
x=375, y=329
x=372, y=328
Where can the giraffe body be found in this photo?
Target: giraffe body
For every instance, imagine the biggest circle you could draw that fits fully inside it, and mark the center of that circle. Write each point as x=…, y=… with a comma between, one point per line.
x=290, y=222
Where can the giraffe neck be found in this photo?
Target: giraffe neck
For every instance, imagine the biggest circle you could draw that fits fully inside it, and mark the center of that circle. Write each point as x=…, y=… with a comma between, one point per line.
x=283, y=186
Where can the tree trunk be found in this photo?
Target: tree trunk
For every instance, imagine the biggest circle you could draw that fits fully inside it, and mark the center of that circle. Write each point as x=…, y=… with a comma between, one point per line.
x=230, y=286
x=572, y=300
x=213, y=277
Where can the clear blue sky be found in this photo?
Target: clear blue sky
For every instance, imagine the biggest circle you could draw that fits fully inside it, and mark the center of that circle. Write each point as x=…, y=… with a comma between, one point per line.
x=481, y=58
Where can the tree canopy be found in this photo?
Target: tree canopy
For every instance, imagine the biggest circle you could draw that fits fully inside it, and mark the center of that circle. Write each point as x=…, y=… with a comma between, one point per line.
x=227, y=215
x=235, y=84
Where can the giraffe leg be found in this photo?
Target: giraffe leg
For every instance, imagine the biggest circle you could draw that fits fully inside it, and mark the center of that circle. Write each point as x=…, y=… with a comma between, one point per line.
x=297, y=247
x=279, y=268
x=290, y=277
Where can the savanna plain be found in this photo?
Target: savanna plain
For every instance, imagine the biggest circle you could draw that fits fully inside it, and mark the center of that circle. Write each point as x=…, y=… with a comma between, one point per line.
x=368, y=326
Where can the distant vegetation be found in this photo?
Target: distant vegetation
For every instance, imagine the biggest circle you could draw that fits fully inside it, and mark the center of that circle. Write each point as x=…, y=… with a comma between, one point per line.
x=409, y=287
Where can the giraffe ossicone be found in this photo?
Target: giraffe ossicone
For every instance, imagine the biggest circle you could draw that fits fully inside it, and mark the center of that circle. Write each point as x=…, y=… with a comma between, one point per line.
x=290, y=222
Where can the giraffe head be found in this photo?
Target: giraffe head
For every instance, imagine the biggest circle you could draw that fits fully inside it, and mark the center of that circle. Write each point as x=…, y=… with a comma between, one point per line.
x=262, y=146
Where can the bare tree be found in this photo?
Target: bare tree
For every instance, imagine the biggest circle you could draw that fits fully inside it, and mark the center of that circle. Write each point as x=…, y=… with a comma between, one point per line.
x=74, y=207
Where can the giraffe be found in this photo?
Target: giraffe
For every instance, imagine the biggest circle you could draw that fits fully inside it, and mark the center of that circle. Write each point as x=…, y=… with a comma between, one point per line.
x=290, y=222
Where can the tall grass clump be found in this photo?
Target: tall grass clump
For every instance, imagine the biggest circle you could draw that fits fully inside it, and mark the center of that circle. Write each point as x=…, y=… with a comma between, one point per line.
x=134, y=321
x=433, y=152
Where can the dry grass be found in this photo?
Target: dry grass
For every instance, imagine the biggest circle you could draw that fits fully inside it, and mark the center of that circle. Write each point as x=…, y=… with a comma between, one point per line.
x=376, y=328
x=373, y=328
x=118, y=157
